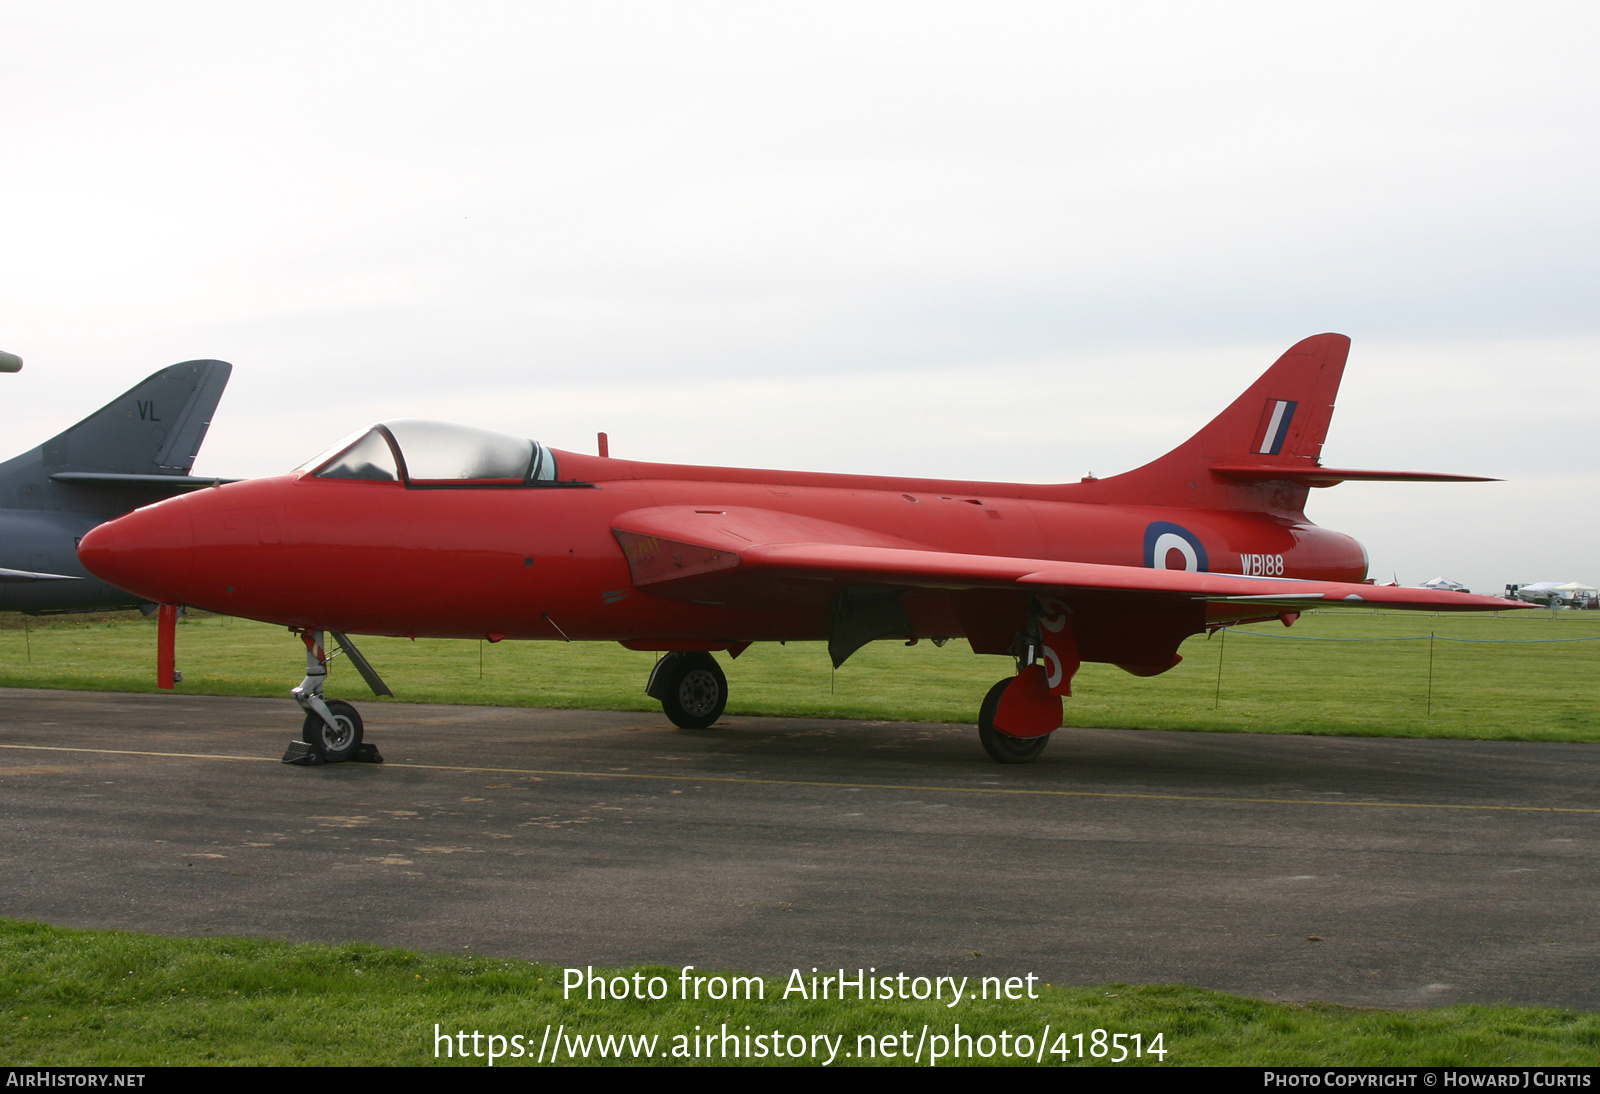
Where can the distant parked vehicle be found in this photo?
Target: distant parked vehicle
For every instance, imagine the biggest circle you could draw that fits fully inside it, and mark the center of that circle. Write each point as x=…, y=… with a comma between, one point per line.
x=1554, y=594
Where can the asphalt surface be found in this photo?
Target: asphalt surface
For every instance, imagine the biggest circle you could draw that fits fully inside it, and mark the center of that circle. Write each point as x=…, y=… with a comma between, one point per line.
x=1363, y=871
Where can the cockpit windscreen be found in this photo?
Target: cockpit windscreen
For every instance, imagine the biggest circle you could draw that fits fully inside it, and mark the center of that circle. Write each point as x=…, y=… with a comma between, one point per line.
x=429, y=453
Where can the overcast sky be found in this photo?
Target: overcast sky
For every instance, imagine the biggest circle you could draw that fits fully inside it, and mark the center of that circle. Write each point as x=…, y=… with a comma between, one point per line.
x=998, y=241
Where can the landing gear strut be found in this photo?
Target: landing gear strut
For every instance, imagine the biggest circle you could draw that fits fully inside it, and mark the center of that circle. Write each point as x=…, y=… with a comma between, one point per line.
x=332, y=729
x=691, y=688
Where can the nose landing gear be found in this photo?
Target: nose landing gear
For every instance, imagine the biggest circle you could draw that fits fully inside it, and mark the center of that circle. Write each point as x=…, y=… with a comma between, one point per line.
x=332, y=730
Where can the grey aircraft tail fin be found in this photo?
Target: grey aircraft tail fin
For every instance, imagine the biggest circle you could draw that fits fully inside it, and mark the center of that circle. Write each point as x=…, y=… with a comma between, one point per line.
x=153, y=428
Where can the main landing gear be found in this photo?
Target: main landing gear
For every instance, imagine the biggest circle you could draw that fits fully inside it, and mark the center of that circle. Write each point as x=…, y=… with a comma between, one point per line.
x=690, y=687
x=332, y=729
x=1019, y=713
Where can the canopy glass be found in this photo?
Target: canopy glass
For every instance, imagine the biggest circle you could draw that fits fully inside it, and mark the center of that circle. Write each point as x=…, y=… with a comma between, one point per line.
x=427, y=453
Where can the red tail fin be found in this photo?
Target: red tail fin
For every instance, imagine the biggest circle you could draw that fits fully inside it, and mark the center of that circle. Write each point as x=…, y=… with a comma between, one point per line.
x=1280, y=421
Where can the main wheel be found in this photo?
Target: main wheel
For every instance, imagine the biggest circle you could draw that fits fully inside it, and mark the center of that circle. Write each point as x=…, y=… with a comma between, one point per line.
x=334, y=746
x=1001, y=746
x=695, y=692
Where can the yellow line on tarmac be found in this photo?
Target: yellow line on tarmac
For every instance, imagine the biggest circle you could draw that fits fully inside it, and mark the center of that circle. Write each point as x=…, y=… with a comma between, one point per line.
x=136, y=752
x=921, y=787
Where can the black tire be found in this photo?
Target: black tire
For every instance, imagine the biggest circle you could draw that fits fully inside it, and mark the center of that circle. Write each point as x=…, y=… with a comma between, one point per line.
x=334, y=747
x=1002, y=747
x=694, y=693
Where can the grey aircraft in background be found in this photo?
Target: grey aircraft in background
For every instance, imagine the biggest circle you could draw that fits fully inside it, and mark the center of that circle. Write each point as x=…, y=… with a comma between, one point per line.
x=135, y=450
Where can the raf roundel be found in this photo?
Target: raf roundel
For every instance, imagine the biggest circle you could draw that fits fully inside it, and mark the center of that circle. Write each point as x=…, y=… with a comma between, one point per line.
x=1170, y=546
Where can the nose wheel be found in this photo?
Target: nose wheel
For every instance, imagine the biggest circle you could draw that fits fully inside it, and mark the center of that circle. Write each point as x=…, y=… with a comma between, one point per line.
x=690, y=687
x=338, y=742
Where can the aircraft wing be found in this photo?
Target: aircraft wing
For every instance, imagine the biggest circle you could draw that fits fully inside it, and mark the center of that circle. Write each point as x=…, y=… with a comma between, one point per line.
x=932, y=569
x=679, y=552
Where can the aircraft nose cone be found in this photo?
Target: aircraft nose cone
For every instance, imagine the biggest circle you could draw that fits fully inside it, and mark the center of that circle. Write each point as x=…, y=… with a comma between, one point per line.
x=149, y=552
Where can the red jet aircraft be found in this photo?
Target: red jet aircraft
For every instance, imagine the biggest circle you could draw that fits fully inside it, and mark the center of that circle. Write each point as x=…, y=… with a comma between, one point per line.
x=420, y=528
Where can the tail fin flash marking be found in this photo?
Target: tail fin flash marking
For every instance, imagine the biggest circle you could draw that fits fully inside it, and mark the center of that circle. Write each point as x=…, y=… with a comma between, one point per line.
x=1275, y=426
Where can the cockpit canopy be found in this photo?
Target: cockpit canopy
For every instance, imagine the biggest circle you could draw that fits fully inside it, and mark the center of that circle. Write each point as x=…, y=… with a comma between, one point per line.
x=419, y=452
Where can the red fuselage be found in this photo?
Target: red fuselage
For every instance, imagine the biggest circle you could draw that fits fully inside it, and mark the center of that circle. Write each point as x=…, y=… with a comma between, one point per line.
x=542, y=562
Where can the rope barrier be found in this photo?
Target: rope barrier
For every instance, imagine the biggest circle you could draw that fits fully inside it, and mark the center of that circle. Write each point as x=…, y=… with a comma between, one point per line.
x=1417, y=638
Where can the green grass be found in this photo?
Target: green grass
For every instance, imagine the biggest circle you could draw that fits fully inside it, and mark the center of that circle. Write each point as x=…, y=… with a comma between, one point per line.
x=1510, y=684
x=111, y=998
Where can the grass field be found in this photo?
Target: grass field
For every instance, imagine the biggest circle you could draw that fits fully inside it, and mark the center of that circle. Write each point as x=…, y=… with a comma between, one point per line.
x=113, y=998
x=1518, y=676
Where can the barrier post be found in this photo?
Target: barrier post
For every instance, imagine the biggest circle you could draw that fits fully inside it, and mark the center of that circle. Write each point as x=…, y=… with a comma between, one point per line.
x=1222, y=647
x=1430, y=674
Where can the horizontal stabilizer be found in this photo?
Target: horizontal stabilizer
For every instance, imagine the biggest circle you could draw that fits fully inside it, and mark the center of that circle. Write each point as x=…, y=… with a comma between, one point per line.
x=176, y=483
x=1330, y=476
x=29, y=575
